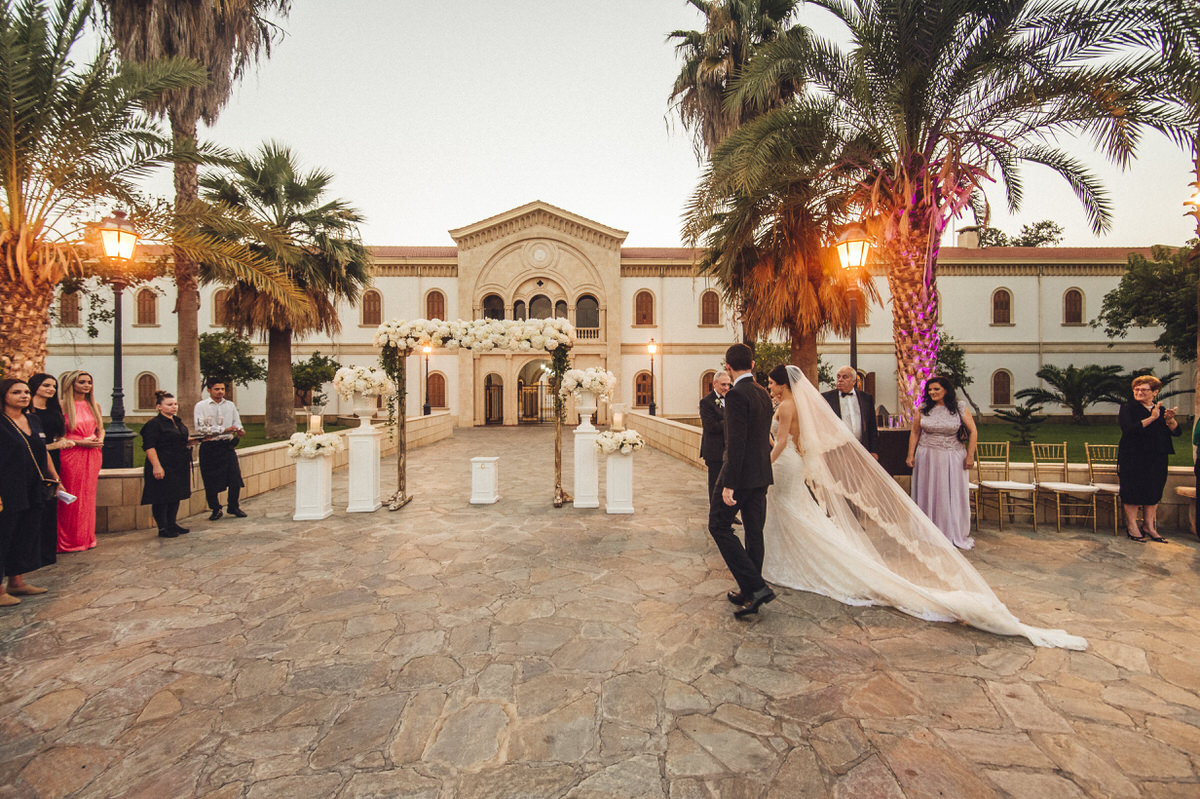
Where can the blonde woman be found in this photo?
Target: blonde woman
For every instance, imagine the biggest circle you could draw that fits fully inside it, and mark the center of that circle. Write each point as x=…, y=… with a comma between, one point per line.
x=81, y=462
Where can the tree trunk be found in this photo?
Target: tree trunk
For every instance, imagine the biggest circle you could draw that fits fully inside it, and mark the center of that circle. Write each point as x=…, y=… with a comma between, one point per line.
x=914, y=321
x=804, y=353
x=281, y=393
x=1196, y=254
x=187, y=303
x=24, y=319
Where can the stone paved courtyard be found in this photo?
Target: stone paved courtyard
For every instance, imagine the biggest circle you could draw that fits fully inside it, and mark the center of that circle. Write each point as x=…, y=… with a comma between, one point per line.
x=515, y=650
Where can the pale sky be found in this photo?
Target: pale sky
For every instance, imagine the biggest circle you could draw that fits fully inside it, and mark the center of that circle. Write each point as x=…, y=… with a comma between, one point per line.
x=436, y=115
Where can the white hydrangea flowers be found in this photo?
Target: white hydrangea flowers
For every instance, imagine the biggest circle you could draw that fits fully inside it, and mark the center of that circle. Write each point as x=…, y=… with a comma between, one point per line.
x=625, y=442
x=480, y=335
x=369, y=380
x=313, y=445
x=598, y=381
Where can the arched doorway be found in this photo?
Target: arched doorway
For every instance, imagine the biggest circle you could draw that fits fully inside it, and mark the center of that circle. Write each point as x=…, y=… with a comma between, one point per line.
x=493, y=399
x=534, y=401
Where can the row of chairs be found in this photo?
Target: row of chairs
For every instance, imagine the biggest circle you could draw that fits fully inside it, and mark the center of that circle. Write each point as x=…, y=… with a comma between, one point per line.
x=1051, y=478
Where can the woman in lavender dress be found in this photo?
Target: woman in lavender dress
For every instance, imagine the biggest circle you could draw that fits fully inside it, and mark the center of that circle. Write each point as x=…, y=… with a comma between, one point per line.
x=941, y=462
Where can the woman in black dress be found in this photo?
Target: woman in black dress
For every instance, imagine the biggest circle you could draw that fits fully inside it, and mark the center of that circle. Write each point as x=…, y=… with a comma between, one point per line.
x=24, y=471
x=1146, y=431
x=49, y=413
x=168, y=470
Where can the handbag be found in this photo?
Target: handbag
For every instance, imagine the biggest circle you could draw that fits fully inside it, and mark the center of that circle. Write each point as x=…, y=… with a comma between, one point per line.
x=963, y=434
x=49, y=488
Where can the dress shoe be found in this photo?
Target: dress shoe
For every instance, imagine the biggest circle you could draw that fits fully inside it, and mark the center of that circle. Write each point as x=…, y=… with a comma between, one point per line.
x=736, y=597
x=26, y=590
x=737, y=521
x=759, y=598
x=7, y=600
x=238, y=512
x=167, y=534
x=216, y=514
x=175, y=528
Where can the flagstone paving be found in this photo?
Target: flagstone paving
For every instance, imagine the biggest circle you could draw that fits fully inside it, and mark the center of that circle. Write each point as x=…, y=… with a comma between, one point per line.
x=516, y=650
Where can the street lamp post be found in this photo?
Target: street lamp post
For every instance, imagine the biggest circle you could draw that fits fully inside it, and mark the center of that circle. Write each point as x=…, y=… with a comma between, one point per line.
x=119, y=238
x=652, y=348
x=853, y=246
x=425, y=409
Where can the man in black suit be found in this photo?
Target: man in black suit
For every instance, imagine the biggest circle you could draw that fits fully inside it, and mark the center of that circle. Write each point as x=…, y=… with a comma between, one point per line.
x=712, y=422
x=855, y=408
x=742, y=482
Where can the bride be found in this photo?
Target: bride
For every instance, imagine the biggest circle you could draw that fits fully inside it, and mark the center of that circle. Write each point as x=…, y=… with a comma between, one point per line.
x=839, y=525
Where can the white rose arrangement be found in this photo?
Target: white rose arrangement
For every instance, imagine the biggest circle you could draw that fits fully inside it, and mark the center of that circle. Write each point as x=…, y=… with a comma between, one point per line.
x=625, y=442
x=598, y=381
x=369, y=380
x=313, y=445
x=481, y=335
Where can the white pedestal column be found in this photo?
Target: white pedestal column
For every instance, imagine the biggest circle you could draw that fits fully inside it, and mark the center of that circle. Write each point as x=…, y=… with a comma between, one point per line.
x=484, y=481
x=618, y=483
x=314, y=488
x=364, y=443
x=587, y=471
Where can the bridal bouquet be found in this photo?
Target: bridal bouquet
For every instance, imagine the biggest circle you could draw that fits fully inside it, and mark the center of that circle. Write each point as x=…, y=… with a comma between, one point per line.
x=625, y=442
x=313, y=445
x=369, y=380
x=598, y=381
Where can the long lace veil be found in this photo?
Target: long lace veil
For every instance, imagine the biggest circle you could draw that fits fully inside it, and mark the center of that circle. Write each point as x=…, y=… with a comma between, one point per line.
x=884, y=525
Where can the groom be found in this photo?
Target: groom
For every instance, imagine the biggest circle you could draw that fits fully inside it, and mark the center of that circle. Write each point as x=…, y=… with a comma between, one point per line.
x=742, y=482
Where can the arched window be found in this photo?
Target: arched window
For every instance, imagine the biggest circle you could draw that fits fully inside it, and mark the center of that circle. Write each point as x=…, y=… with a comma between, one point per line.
x=540, y=307
x=221, y=312
x=493, y=307
x=560, y=309
x=68, y=309
x=372, y=308
x=145, y=308
x=147, y=384
x=437, y=390
x=1073, y=307
x=519, y=310
x=1002, y=388
x=1002, y=307
x=706, y=381
x=587, y=311
x=642, y=390
x=435, y=306
x=710, y=308
x=643, y=308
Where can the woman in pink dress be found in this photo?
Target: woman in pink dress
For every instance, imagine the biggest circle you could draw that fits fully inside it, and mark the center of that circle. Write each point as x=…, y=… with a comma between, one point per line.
x=80, y=463
x=941, y=461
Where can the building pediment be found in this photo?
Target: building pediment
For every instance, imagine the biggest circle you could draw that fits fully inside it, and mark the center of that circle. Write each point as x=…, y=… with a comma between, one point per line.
x=537, y=214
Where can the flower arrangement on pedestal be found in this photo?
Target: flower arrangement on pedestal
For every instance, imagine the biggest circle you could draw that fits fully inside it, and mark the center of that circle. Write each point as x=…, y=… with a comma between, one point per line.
x=314, y=445
x=366, y=380
x=624, y=442
x=598, y=381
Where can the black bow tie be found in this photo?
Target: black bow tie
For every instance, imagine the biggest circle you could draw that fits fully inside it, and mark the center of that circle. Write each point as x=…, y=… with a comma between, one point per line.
x=847, y=393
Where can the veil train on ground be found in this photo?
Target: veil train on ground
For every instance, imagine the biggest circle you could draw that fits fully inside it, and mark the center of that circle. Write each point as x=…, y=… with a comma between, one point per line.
x=869, y=544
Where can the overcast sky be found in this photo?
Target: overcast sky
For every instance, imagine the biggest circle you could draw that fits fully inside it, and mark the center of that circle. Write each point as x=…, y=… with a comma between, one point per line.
x=436, y=115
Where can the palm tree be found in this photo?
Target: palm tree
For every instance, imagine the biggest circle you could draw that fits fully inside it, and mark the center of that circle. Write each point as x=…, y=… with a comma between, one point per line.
x=224, y=38
x=764, y=213
x=1075, y=389
x=946, y=97
x=325, y=258
x=71, y=137
x=712, y=59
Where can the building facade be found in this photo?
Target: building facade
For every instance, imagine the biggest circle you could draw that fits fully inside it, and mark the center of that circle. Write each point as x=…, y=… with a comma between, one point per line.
x=1012, y=309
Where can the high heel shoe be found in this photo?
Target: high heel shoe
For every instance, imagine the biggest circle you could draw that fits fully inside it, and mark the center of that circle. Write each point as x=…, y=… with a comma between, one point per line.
x=1141, y=539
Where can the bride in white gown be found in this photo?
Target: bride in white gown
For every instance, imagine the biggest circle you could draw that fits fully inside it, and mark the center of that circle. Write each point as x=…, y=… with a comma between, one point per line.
x=839, y=525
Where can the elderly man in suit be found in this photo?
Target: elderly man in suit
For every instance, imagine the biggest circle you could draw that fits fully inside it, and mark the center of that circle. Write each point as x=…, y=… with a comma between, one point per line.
x=712, y=422
x=855, y=408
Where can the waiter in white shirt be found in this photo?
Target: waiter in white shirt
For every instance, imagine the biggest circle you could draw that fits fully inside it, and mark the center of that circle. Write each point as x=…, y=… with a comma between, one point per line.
x=217, y=420
x=855, y=408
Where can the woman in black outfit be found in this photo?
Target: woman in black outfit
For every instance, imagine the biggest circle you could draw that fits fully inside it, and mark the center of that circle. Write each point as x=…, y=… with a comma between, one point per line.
x=1146, y=431
x=25, y=470
x=49, y=413
x=168, y=470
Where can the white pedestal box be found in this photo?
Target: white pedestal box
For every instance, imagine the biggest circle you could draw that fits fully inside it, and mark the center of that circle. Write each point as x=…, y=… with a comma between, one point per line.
x=364, y=445
x=314, y=488
x=484, y=480
x=587, y=470
x=618, y=479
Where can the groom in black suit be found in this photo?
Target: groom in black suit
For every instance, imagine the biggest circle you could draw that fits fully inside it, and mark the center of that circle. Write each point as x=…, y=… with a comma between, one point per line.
x=743, y=481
